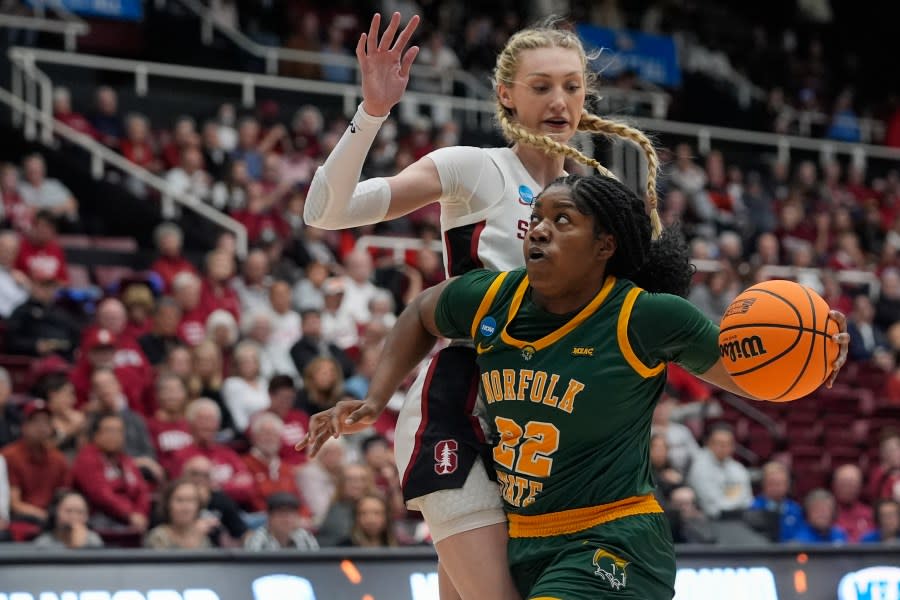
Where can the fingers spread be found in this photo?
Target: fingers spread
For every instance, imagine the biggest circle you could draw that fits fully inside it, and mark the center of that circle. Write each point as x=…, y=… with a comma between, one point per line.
x=373, y=33
x=407, y=62
x=388, y=38
x=406, y=34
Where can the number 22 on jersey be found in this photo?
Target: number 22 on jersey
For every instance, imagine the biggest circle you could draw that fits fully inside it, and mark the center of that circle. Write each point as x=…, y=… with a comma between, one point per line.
x=525, y=452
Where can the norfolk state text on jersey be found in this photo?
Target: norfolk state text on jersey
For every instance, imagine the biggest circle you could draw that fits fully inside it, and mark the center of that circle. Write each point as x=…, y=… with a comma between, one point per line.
x=526, y=451
x=526, y=384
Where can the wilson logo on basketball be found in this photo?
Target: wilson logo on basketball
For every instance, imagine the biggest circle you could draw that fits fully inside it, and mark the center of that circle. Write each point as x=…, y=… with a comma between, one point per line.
x=740, y=307
x=746, y=347
x=445, y=457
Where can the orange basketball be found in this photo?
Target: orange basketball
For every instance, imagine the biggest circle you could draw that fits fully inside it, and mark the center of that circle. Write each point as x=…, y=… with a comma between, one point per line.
x=775, y=341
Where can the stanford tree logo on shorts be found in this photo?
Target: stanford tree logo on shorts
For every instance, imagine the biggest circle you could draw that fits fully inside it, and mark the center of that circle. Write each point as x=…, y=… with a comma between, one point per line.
x=445, y=457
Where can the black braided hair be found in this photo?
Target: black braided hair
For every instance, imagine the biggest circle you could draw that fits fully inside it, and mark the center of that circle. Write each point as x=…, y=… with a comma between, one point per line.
x=661, y=265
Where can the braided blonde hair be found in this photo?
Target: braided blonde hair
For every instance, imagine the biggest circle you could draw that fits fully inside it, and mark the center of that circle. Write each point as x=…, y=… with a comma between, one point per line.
x=548, y=35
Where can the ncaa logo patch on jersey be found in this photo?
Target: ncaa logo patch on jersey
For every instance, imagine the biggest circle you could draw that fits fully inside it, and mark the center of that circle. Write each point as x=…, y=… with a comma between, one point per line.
x=445, y=457
x=487, y=327
x=526, y=196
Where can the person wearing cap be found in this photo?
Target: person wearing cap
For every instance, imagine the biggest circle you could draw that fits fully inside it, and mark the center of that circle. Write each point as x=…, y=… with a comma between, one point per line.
x=38, y=327
x=283, y=528
x=104, y=348
x=40, y=250
x=338, y=325
x=35, y=468
x=313, y=344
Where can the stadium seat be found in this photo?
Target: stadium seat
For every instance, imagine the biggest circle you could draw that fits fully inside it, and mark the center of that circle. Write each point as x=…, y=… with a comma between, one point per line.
x=19, y=369
x=117, y=244
x=74, y=241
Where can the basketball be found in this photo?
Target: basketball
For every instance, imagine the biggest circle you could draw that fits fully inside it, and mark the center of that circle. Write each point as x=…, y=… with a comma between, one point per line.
x=775, y=341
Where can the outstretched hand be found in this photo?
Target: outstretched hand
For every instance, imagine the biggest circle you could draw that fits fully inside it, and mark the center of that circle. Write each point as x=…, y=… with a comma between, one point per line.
x=347, y=416
x=842, y=339
x=385, y=64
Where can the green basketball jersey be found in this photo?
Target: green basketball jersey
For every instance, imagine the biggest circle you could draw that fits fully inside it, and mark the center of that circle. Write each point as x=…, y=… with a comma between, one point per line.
x=570, y=397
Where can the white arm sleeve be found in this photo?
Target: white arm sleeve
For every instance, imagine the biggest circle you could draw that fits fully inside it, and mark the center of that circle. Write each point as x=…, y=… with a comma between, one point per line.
x=336, y=199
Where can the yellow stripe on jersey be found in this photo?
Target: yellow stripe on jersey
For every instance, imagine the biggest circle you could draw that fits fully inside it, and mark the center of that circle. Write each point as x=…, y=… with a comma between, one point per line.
x=554, y=336
x=486, y=302
x=625, y=346
x=578, y=519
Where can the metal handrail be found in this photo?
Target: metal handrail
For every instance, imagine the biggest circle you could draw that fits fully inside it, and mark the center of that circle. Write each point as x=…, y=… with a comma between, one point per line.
x=100, y=154
x=70, y=30
x=483, y=109
x=273, y=54
x=398, y=245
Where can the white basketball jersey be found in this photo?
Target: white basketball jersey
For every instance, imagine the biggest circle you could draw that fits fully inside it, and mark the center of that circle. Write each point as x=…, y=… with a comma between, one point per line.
x=485, y=207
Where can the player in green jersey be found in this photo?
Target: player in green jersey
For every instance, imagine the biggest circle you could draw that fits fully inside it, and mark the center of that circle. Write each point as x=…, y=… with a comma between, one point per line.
x=572, y=354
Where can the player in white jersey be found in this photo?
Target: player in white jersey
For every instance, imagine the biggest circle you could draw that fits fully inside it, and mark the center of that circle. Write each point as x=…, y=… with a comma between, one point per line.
x=542, y=79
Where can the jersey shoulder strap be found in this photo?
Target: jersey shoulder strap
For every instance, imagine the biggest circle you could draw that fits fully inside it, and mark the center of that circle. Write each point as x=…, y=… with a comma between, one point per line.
x=636, y=363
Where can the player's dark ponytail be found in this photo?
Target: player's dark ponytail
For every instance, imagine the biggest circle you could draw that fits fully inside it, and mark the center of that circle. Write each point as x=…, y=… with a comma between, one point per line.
x=661, y=265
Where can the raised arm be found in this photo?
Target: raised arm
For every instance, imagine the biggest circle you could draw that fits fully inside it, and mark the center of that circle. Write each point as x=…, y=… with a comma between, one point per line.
x=336, y=198
x=408, y=343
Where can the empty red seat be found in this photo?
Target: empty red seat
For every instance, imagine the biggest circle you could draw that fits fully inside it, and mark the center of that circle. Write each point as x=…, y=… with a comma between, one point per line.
x=118, y=244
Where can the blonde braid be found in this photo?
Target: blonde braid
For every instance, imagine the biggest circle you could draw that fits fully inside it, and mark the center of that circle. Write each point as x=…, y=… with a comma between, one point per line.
x=517, y=133
x=595, y=124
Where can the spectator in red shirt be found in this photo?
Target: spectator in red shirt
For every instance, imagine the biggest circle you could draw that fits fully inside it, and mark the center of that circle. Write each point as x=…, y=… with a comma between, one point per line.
x=168, y=427
x=216, y=293
x=107, y=398
x=137, y=145
x=270, y=473
x=35, y=468
x=40, y=250
x=853, y=516
x=260, y=216
x=62, y=111
x=187, y=289
x=102, y=347
x=170, y=263
x=109, y=479
x=229, y=472
x=296, y=422
x=185, y=136
x=886, y=473
x=16, y=212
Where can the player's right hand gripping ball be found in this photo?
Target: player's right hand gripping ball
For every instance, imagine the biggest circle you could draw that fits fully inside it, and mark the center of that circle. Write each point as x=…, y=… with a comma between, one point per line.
x=775, y=340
